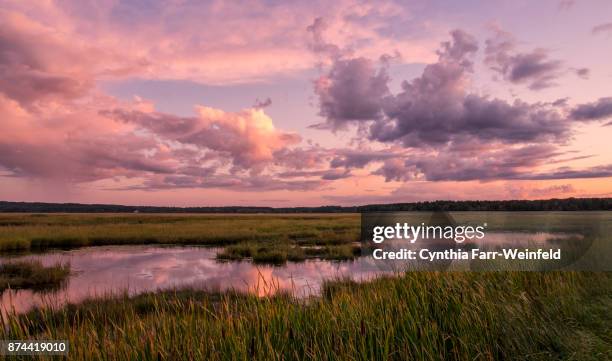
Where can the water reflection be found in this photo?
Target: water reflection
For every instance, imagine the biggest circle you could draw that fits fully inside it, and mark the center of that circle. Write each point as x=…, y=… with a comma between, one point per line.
x=136, y=269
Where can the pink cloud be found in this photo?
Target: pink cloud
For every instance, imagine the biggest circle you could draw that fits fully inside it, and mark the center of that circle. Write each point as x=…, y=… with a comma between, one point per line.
x=239, y=43
x=74, y=145
x=248, y=137
x=37, y=64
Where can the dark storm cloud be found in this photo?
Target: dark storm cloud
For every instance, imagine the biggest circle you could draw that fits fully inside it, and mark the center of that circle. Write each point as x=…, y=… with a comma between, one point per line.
x=600, y=109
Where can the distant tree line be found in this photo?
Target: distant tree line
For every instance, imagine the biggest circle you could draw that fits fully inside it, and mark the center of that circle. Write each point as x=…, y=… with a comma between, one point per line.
x=569, y=204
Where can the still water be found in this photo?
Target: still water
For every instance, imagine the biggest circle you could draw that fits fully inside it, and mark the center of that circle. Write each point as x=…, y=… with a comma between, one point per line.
x=98, y=271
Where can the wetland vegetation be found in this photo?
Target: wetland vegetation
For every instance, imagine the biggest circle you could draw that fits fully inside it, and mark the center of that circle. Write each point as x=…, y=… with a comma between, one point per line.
x=408, y=315
x=32, y=275
x=413, y=316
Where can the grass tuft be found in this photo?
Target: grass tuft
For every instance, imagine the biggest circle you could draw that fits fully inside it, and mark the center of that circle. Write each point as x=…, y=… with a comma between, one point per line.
x=32, y=275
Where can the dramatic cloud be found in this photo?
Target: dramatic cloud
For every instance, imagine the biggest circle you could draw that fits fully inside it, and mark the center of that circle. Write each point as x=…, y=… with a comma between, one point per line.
x=435, y=108
x=533, y=68
x=600, y=109
x=448, y=133
x=428, y=109
x=59, y=61
x=33, y=63
x=248, y=136
x=59, y=145
x=423, y=115
x=353, y=90
x=214, y=149
x=239, y=44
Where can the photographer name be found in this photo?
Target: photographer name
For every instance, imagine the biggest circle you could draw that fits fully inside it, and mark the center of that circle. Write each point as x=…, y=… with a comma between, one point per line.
x=471, y=254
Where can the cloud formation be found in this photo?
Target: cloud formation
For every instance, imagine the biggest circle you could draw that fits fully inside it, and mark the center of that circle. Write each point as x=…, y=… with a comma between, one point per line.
x=435, y=108
x=534, y=68
x=352, y=90
x=447, y=132
x=248, y=137
x=600, y=109
x=59, y=125
x=166, y=41
x=61, y=145
x=33, y=62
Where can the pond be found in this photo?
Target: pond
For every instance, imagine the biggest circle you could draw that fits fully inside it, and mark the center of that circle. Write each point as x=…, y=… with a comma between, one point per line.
x=98, y=271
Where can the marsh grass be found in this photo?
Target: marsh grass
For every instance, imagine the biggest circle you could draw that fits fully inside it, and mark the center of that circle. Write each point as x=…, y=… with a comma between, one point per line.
x=280, y=253
x=24, y=232
x=414, y=316
x=32, y=275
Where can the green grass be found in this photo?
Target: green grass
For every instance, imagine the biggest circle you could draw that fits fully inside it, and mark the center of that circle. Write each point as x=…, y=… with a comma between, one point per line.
x=265, y=238
x=414, y=316
x=280, y=253
x=23, y=232
x=32, y=275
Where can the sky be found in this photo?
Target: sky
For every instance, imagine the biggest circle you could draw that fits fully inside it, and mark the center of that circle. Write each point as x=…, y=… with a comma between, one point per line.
x=304, y=103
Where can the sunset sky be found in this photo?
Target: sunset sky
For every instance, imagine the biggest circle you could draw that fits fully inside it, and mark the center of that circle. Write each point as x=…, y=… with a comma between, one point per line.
x=280, y=103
